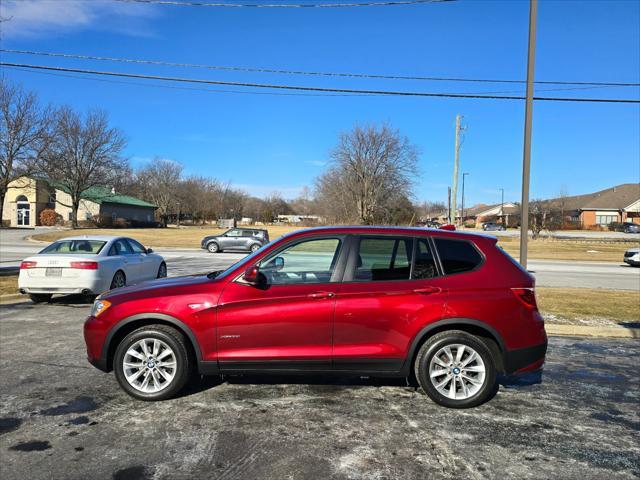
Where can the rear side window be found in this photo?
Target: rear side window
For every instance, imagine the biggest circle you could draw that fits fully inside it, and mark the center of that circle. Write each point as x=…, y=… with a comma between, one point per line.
x=425, y=266
x=381, y=259
x=457, y=256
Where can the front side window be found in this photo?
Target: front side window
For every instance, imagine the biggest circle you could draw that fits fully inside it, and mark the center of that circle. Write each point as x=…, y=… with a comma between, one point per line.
x=120, y=247
x=383, y=259
x=136, y=247
x=233, y=233
x=67, y=247
x=457, y=256
x=311, y=261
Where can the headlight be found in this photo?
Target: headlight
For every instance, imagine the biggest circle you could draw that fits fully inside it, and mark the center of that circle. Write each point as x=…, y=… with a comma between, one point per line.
x=99, y=306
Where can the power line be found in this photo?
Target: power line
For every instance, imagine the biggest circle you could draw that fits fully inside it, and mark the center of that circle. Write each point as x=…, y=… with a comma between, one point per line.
x=303, y=72
x=176, y=87
x=286, y=5
x=313, y=89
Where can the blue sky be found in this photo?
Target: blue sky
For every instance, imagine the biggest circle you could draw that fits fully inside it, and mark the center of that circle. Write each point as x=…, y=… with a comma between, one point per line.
x=266, y=143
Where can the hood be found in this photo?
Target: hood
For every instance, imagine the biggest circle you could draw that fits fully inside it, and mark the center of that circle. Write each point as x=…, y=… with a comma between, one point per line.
x=155, y=285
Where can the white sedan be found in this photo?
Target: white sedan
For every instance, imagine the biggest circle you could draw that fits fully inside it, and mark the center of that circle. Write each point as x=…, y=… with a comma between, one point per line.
x=88, y=266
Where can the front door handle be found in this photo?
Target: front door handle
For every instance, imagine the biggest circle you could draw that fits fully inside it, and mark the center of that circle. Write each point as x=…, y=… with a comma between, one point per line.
x=428, y=290
x=321, y=295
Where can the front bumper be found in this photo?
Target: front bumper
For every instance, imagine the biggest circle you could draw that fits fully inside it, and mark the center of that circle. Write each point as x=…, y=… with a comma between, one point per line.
x=634, y=261
x=525, y=359
x=95, y=334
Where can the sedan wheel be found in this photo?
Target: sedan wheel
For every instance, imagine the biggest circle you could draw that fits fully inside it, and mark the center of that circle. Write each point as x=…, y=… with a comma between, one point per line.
x=152, y=363
x=119, y=280
x=255, y=248
x=456, y=369
x=162, y=270
x=213, y=247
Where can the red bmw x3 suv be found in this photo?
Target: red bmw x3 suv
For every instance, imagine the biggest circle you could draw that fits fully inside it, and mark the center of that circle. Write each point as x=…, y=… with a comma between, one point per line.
x=449, y=309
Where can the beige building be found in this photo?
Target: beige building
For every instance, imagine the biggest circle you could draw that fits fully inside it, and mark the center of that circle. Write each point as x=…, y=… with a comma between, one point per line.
x=28, y=197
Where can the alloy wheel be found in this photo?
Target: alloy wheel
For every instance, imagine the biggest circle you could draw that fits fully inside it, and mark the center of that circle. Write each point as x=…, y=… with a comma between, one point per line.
x=457, y=371
x=149, y=365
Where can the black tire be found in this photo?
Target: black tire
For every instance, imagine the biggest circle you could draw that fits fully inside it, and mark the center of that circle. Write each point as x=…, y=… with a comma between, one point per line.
x=255, y=247
x=176, y=341
x=162, y=270
x=119, y=280
x=450, y=337
x=40, y=297
x=212, y=247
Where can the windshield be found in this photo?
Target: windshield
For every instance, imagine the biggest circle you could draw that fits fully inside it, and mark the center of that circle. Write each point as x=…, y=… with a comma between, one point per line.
x=74, y=247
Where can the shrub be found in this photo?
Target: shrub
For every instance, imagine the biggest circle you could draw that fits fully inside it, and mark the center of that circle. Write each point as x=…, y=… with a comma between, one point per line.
x=48, y=217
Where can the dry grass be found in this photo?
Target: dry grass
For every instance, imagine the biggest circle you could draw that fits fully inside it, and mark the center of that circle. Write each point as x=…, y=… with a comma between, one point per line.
x=588, y=306
x=580, y=250
x=9, y=285
x=189, y=237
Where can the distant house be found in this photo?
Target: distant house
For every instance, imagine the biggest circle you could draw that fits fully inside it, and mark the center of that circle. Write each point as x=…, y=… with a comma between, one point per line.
x=507, y=213
x=27, y=197
x=617, y=204
x=300, y=219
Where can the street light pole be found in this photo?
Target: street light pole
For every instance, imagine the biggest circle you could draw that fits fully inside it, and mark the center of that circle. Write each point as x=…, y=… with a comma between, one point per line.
x=501, y=205
x=528, y=113
x=462, y=208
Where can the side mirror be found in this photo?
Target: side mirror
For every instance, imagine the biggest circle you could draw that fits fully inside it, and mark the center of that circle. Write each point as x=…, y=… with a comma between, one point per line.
x=149, y=250
x=252, y=275
x=278, y=263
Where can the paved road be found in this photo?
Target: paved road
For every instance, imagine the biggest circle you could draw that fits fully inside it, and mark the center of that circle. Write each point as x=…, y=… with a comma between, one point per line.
x=549, y=273
x=61, y=418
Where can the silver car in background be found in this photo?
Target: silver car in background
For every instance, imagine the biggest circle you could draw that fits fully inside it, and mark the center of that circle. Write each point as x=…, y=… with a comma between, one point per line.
x=632, y=257
x=245, y=239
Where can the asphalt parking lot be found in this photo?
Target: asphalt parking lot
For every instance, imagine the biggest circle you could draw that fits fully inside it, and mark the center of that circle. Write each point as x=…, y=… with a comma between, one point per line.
x=61, y=418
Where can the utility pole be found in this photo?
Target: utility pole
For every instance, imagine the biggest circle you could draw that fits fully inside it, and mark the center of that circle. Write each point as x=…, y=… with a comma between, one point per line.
x=501, y=205
x=462, y=207
x=456, y=164
x=449, y=203
x=528, y=113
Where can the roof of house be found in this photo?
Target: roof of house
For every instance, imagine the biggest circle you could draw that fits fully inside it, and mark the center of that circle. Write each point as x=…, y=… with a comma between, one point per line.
x=508, y=208
x=101, y=195
x=616, y=198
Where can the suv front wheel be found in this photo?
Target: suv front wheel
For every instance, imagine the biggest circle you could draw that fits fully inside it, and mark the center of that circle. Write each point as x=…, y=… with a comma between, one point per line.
x=456, y=369
x=152, y=363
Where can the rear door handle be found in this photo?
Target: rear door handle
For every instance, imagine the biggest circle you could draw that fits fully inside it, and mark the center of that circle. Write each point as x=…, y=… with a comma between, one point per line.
x=321, y=295
x=427, y=290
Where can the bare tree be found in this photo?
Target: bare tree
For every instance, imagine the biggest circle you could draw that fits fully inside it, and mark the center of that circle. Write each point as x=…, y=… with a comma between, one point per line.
x=372, y=166
x=160, y=184
x=23, y=135
x=83, y=152
x=430, y=210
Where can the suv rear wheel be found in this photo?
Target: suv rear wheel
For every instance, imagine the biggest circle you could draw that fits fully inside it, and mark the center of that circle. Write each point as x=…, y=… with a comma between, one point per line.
x=456, y=369
x=152, y=363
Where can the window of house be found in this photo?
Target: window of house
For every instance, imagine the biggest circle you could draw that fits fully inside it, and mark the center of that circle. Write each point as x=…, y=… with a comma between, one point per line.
x=383, y=258
x=88, y=216
x=606, y=219
x=457, y=256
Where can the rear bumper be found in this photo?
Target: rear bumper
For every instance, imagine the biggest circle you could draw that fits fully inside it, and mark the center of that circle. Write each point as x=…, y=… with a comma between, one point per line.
x=525, y=359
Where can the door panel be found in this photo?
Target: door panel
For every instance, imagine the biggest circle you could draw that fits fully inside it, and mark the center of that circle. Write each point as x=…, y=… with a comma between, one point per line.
x=376, y=318
x=286, y=321
x=282, y=322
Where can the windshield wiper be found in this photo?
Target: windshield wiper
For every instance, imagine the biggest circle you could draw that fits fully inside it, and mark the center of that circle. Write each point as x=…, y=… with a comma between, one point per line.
x=214, y=274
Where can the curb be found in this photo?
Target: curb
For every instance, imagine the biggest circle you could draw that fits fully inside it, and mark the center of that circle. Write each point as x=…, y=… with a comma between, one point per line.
x=5, y=299
x=582, y=331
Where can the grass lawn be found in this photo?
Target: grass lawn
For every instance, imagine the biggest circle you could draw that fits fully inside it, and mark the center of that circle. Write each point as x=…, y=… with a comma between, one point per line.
x=189, y=237
x=9, y=285
x=562, y=249
x=583, y=306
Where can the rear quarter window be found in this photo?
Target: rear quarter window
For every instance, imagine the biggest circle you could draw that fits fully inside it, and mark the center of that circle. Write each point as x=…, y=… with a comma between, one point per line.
x=457, y=256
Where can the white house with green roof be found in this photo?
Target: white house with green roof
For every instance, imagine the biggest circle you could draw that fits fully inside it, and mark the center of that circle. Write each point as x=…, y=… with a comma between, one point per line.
x=27, y=197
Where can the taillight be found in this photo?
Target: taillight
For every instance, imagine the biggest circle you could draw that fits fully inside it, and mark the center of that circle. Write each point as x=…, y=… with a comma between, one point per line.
x=527, y=296
x=26, y=265
x=85, y=265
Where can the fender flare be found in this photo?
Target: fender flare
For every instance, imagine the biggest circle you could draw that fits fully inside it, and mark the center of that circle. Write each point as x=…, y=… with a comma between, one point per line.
x=425, y=332
x=179, y=325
